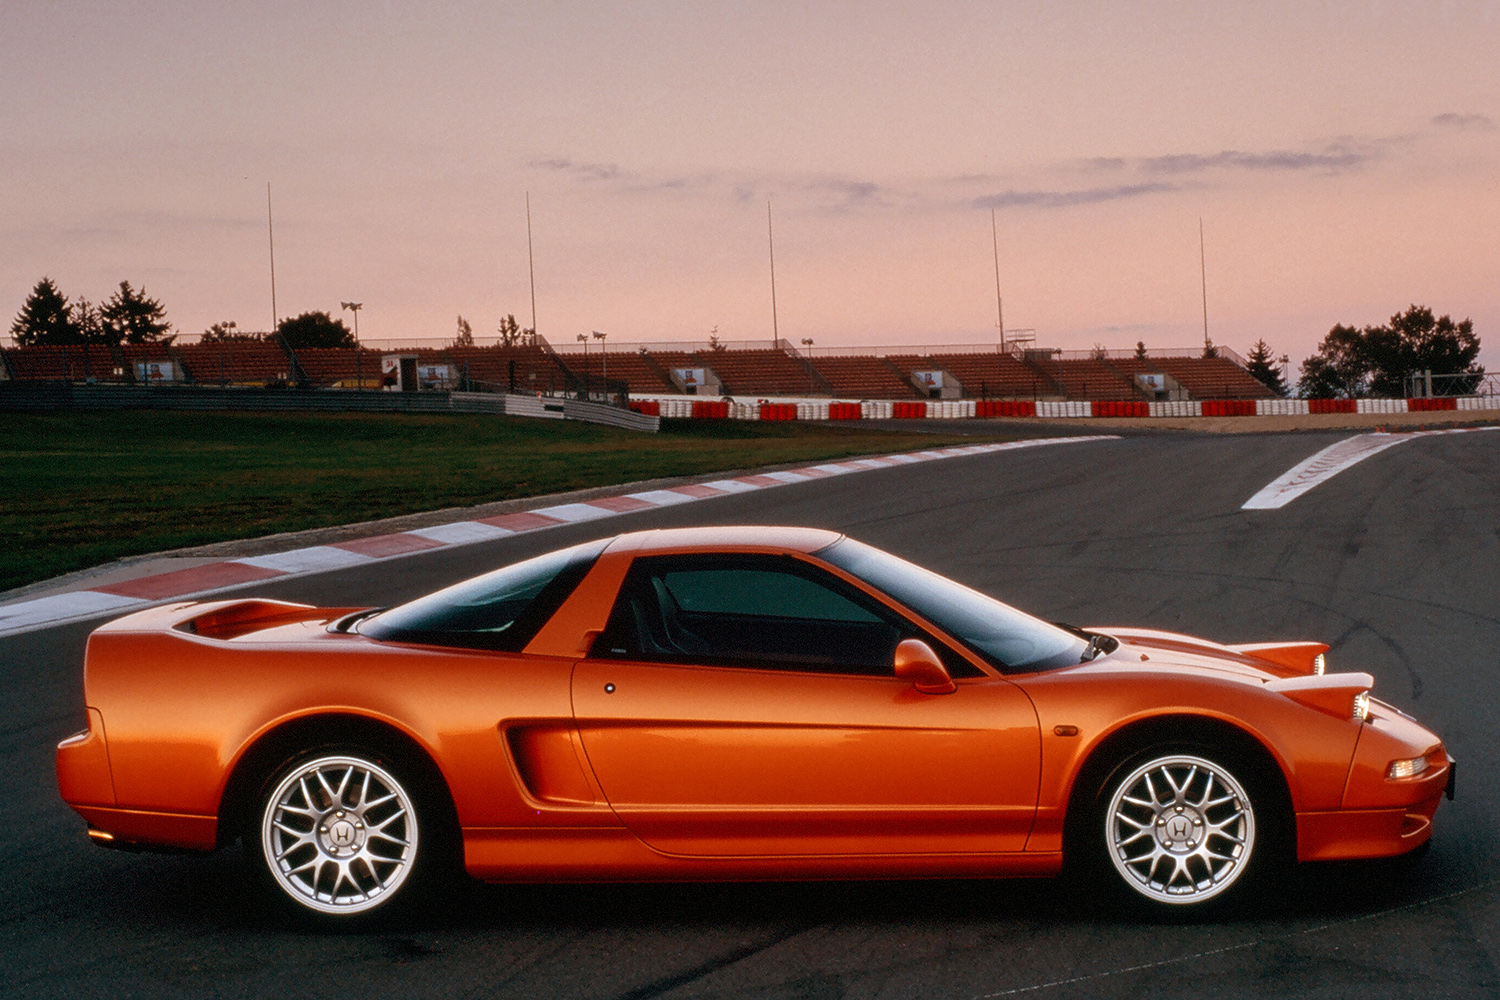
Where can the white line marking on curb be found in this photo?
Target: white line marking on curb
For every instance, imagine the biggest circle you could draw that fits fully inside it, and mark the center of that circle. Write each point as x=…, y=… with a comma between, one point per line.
x=733, y=486
x=461, y=532
x=1329, y=462
x=60, y=607
x=310, y=559
x=573, y=512
x=661, y=498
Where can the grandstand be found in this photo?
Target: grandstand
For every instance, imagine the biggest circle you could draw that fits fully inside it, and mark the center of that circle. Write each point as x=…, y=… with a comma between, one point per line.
x=864, y=376
x=94, y=363
x=236, y=362
x=1086, y=378
x=341, y=367
x=642, y=372
x=763, y=372
x=744, y=369
x=983, y=374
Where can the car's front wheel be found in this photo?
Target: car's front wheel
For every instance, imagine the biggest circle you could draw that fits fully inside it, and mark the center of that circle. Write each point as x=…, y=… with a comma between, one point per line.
x=1179, y=829
x=340, y=835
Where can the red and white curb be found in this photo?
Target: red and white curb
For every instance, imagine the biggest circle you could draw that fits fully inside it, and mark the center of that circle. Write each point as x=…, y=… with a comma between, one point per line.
x=58, y=609
x=1329, y=462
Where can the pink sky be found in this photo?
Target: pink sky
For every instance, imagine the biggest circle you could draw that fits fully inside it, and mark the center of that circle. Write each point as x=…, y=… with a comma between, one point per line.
x=1343, y=156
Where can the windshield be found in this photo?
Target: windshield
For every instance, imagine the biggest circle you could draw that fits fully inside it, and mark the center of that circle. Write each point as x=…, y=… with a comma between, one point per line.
x=1011, y=640
x=502, y=610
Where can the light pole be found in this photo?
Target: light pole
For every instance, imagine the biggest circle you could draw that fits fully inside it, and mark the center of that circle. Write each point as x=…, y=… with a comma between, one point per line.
x=354, y=307
x=603, y=362
x=585, y=338
x=807, y=342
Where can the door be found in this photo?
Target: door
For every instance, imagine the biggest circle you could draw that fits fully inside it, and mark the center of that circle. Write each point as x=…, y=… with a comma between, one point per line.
x=746, y=705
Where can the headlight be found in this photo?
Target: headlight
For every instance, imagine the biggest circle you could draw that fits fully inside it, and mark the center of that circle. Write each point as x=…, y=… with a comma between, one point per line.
x=1320, y=664
x=1406, y=768
x=1361, y=707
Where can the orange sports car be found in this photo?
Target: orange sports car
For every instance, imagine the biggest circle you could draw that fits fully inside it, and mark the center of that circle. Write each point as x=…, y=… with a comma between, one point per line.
x=722, y=704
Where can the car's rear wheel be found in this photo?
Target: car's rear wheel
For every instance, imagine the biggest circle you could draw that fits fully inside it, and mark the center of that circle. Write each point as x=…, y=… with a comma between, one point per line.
x=1180, y=828
x=341, y=835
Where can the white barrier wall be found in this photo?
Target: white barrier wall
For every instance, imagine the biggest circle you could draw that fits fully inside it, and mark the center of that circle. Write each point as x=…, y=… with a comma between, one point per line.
x=1064, y=408
x=954, y=409
x=1176, y=408
x=1280, y=407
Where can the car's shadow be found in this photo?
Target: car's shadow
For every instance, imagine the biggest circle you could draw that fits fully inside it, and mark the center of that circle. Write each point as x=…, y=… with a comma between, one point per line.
x=217, y=891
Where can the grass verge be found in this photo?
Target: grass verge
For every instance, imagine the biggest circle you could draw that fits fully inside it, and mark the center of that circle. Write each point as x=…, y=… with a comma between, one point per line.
x=80, y=489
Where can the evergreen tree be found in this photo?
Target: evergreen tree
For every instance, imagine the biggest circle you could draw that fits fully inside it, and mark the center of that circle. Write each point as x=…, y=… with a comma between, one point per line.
x=1263, y=369
x=1140, y=350
x=46, y=319
x=131, y=317
x=511, y=334
x=464, y=337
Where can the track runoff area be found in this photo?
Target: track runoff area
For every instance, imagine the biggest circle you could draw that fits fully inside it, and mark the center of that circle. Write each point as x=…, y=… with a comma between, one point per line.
x=1384, y=546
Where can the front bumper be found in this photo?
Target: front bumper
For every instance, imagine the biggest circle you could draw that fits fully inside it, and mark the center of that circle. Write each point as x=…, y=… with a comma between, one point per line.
x=1382, y=816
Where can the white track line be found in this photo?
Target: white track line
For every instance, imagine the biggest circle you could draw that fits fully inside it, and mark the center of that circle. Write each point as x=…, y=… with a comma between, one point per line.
x=1332, y=460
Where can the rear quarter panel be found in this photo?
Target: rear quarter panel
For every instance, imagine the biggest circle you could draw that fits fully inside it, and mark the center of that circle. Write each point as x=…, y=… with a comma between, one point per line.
x=181, y=709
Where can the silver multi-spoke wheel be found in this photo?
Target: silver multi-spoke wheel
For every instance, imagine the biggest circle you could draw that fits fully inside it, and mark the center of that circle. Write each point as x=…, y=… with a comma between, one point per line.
x=339, y=834
x=1180, y=829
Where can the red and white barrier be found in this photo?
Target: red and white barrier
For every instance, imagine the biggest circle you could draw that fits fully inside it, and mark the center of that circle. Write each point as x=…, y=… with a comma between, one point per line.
x=794, y=408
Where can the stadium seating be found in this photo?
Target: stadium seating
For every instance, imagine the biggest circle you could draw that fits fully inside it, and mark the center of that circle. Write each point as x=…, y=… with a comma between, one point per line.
x=1203, y=378
x=343, y=367
x=983, y=374
x=643, y=373
x=762, y=373
x=864, y=377
x=1089, y=378
x=64, y=364
x=249, y=362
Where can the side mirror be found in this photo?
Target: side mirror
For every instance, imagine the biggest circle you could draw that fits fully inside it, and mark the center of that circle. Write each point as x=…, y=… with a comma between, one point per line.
x=916, y=662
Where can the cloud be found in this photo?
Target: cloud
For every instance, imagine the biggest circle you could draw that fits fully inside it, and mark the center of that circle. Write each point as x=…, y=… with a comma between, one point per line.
x=1332, y=160
x=848, y=194
x=582, y=171
x=1464, y=123
x=1069, y=199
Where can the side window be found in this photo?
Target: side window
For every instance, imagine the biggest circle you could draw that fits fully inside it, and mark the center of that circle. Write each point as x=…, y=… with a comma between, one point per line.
x=768, y=612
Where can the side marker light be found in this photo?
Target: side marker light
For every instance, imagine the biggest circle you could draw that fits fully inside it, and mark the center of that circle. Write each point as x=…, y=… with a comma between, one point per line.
x=1361, y=707
x=1320, y=664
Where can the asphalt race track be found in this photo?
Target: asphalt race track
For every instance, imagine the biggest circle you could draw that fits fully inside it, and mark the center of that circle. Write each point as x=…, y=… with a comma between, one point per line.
x=1394, y=562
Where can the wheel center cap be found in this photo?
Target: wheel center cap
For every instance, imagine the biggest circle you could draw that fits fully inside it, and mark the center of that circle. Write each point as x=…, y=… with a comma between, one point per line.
x=342, y=835
x=1180, y=830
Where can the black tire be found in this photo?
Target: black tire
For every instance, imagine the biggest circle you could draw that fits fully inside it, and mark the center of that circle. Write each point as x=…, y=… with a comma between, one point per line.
x=1185, y=830
x=344, y=837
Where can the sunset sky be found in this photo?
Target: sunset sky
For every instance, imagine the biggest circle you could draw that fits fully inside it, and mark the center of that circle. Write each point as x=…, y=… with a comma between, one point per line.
x=1344, y=158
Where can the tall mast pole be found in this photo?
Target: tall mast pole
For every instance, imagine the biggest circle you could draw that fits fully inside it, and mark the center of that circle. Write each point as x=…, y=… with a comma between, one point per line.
x=999, y=307
x=531, y=266
x=1203, y=269
x=271, y=238
x=771, y=245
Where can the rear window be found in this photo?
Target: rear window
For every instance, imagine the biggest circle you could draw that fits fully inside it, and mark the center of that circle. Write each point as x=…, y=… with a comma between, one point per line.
x=501, y=611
